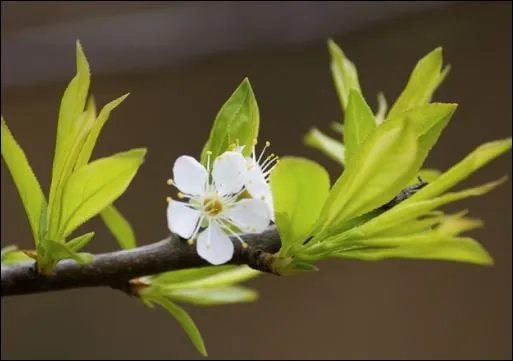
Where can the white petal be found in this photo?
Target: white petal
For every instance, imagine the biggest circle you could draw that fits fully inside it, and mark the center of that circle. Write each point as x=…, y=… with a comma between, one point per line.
x=182, y=219
x=190, y=176
x=220, y=248
x=250, y=215
x=255, y=181
x=229, y=173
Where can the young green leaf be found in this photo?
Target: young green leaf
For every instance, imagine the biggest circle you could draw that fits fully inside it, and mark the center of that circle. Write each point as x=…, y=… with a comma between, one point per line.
x=214, y=296
x=329, y=146
x=72, y=105
x=225, y=278
x=481, y=156
x=87, y=149
x=337, y=127
x=24, y=179
x=183, y=318
x=237, y=121
x=11, y=255
x=406, y=211
x=63, y=167
x=300, y=188
x=441, y=247
x=187, y=275
x=384, y=165
x=95, y=186
x=344, y=73
x=359, y=123
x=119, y=227
x=76, y=244
x=56, y=251
x=423, y=81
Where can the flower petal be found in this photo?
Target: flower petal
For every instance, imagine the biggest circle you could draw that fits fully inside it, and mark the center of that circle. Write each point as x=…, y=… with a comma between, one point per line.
x=214, y=246
x=190, y=176
x=181, y=218
x=250, y=215
x=258, y=187
x=229, y=173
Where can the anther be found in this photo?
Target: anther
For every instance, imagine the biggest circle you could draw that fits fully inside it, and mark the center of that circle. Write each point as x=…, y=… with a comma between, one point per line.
x=168, y=199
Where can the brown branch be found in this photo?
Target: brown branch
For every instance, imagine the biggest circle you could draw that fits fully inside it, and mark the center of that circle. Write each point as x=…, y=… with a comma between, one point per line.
x=116, y=269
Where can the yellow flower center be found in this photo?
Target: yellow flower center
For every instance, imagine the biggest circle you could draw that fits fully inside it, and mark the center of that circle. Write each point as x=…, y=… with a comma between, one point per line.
x=213, y=206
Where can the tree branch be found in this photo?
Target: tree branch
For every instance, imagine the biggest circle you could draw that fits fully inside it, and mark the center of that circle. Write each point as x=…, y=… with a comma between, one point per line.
x=115, y=269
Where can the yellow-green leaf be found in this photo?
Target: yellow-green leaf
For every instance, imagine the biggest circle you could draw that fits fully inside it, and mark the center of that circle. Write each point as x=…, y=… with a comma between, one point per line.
x=25, y=181
x=344, y=73
x=95, y=186
x=334, y=149
x=359, y=124
x=77, y=243
x=300, y=188
x=87, y=149
x=237, y=121
x=119, y=227
x=423, y=81
x=214, y=296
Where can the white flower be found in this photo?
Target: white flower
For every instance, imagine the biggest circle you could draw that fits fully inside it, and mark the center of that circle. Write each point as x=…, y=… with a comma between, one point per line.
x=214, y=205
x=257, y=176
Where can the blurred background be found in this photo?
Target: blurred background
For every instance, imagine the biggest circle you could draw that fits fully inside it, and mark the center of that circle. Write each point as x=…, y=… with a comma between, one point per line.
x=181, y=61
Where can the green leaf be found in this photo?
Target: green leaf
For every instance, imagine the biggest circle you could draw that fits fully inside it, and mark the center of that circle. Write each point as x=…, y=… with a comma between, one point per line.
x=87, y=149
x=381, y=114
x=376, y=174
x=481, y=156
x=297, y=266
x=11, y=256
x=406, y=211
x=183, y=318
x=359, y=124
x=24, y=179
x=76, y=244
x=429, y=120
x=225, y=278
x=214, y=296
x=238, y=120
x=344, y=73
x=187, y=275
x=96, y=185
x=57, y=251
x=300, y=188
x=72, y=104
x=435, y=247
x=63, y=167
x=119, y=227
x=329, y=146
x=423, y=81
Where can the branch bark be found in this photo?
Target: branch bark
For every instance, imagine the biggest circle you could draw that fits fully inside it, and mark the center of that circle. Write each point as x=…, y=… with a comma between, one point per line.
x=115, y=269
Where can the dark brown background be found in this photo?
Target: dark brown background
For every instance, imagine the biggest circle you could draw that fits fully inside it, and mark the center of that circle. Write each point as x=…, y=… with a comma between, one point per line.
x=390, y=309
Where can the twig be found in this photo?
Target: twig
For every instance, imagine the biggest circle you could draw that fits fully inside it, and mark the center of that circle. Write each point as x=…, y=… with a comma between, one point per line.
x=115, y=269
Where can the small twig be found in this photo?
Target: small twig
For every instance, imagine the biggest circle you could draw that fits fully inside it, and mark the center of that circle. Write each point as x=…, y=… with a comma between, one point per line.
x=116, y=269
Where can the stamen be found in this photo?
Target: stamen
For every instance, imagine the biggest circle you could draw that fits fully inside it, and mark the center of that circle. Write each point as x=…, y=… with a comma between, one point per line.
x=232, y=232
x=190, y=242
x=267, y=145
x=180, y=195
x=170, y=182
x=195, y=232
x=168, y=199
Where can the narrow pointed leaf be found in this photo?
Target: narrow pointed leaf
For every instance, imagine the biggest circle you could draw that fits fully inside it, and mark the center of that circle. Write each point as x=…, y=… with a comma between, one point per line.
x=344, y=73
x=237, y=121
x=224, y=278
x=423, y=81
x=183, y=318
x=76, y=244
x=359, y=124
x=187, y=275
x=87, y=149
x=119, y=226
x=381, y=114
x=25, y=181
x=334, y=149
x=95, y=186
x=214, y=296
x=481, y=156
